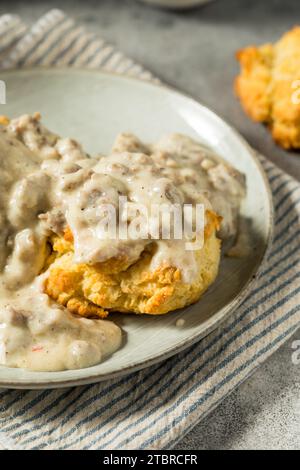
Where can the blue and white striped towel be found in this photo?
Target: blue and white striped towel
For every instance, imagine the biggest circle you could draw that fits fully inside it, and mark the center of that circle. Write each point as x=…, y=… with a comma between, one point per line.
x=153, y=408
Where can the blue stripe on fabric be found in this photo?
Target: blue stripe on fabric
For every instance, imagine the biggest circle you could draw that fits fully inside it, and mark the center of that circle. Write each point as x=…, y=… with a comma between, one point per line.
x=14, y=25
x=282, y=186
x=16, y=399
x=92, y=400
x=45, y=410
x=268, y=166
x=68, y=47
x=53, y=44
x=11, y=40
x=288, y=211
x=279, y=261
x=272, y=279
x=282, y=200
x=31, y=404
x=186, y=366
x=93, y=55
x=286, y=196
x=97, y=51
x=173, y=442
x=289, y=240
x=82, y=51
x=6, y=392
x=286, y=228
x=277, y=184
x=213, y=406
x=275, y=177
x=8, y=30
x=49, y=408
x=9, y=45
x=279, y=202
x=221, y=384
x=41, y=41
x=283, y=180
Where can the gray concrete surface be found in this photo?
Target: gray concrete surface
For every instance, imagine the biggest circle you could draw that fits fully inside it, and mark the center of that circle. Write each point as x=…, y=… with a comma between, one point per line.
x=263, y=413
x=194, y=51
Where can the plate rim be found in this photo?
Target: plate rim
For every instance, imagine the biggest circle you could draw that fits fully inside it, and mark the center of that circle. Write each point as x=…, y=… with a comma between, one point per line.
x=227, y=310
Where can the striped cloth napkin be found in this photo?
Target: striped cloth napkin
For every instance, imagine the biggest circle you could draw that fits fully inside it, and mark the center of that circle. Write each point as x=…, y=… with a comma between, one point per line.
x=155, y=407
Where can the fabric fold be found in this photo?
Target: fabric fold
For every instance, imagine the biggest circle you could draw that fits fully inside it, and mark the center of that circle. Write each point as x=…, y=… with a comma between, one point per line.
x=56, y=40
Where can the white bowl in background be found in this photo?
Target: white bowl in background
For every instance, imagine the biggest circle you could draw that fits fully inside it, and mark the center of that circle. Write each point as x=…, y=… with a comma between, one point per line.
x=177, y=4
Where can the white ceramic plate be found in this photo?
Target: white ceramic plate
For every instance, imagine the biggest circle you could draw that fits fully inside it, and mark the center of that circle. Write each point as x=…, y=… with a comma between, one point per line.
x=93, y=107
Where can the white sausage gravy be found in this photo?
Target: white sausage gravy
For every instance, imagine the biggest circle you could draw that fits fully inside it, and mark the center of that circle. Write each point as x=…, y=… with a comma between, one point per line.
x=49, y=183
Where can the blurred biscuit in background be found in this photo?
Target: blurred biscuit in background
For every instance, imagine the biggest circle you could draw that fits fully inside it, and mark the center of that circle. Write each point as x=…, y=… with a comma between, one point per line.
x=269, y=86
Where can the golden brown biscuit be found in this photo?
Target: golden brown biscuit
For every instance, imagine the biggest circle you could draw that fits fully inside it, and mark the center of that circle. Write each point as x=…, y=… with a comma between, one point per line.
x=4, y=120
x=267, y=84
x=95, y=290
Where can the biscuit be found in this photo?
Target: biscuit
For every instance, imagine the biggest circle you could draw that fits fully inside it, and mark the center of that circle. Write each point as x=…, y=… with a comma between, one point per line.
x=267, y=85
x=96, y=290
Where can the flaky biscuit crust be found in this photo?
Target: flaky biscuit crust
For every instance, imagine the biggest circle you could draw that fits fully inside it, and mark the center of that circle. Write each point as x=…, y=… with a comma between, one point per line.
x=96, y=290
